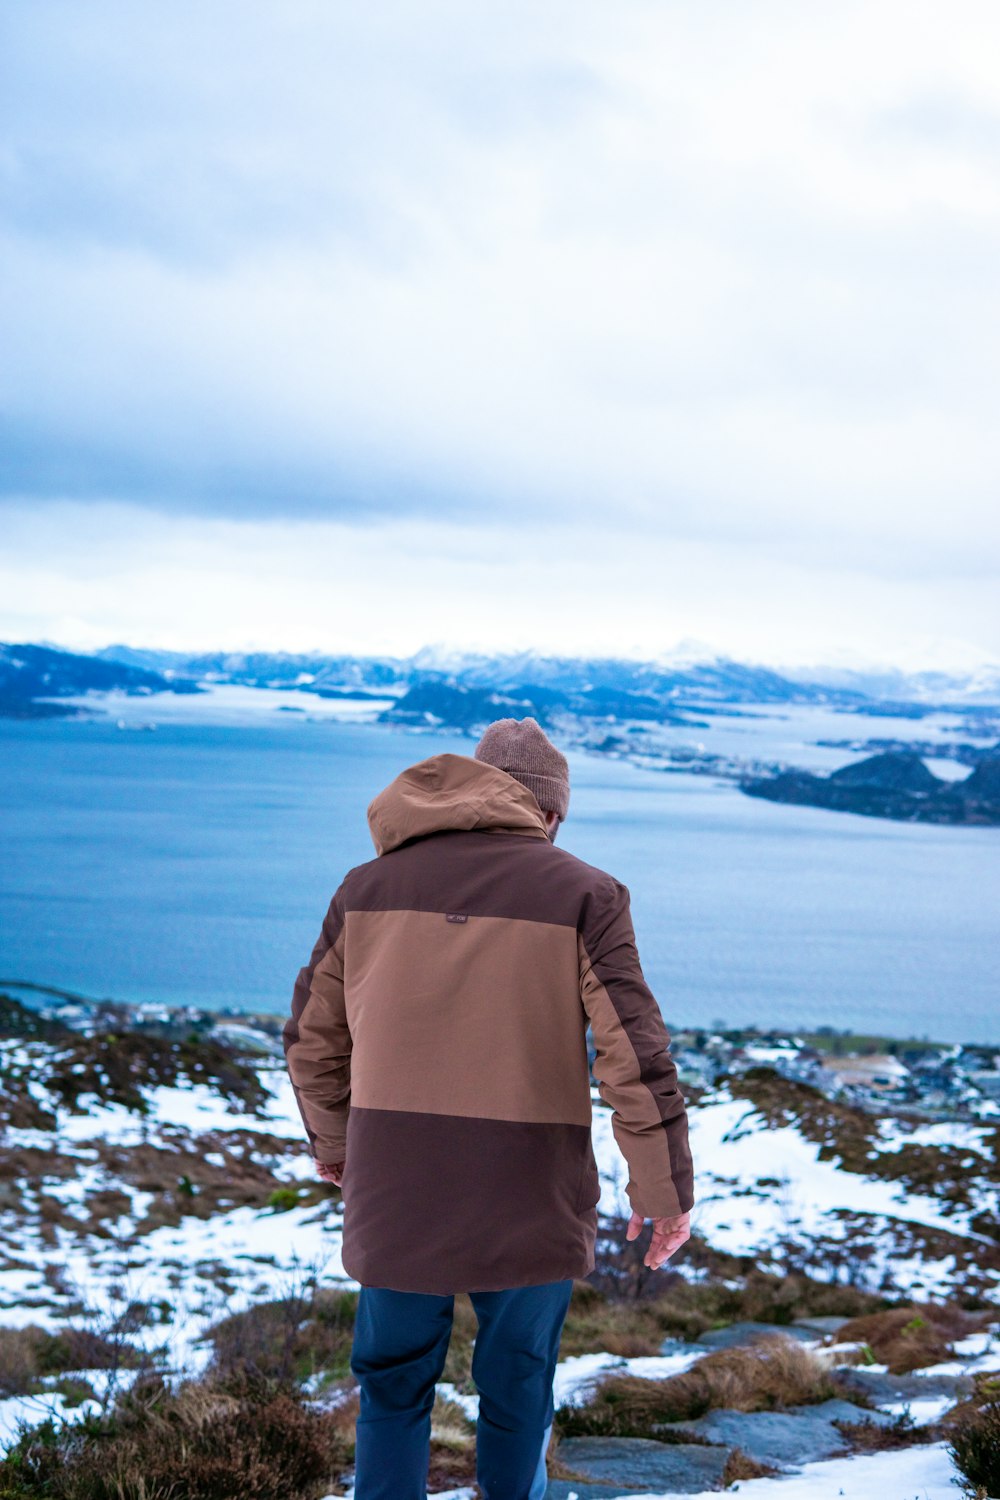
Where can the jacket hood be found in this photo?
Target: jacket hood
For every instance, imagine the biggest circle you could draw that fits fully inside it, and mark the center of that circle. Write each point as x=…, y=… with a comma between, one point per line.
x=451, y=791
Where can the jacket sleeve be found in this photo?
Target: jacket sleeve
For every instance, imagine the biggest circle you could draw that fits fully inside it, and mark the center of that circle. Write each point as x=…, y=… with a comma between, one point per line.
x=318, y=1042
x=636, y=1075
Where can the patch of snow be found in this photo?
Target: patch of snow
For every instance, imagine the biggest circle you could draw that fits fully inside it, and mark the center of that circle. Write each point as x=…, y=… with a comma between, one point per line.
x=893, y=1134
x=469, y=1404
x=922, y=1409
x=977, y=1344
x=985, y=1364
x=946, y=768
x=760, y=1052
x=575, y=1377
x=16, y=1411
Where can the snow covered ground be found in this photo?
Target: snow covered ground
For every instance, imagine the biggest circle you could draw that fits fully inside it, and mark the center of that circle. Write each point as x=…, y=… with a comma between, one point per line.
x=759, y=1189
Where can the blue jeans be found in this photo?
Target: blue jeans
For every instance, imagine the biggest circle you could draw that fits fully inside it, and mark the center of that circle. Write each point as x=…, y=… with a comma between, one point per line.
x=400, y=1343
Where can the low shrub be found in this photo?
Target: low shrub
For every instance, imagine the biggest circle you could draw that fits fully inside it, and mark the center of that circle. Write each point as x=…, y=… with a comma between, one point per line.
x=247, y=1440
x=29, y=1354
x=740, y=1465
x=283, y=1198
x=975, y=1449
x=877, y=1437
x=289, y=1339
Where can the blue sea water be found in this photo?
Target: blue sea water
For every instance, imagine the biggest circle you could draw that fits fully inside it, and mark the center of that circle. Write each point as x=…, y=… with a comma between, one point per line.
x=195, y=864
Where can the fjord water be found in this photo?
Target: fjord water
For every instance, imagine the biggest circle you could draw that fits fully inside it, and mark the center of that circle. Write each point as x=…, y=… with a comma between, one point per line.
x=195, y=864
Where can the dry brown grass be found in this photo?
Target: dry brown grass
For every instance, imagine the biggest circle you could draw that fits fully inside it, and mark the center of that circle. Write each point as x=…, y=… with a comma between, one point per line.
x=458, y=1363
x=453, y=1446
x=740, y=1465
x=772, y=1373
x=909, y=1338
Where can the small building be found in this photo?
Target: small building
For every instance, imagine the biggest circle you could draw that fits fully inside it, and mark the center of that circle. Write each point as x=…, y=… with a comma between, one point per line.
x=987, y=1081
x=877, y=1070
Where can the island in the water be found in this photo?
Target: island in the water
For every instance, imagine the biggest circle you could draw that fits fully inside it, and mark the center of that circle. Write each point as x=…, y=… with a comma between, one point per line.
x=894, y=784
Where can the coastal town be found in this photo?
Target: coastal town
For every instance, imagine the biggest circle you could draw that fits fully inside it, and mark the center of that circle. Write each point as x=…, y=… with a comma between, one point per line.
x=910, y=1077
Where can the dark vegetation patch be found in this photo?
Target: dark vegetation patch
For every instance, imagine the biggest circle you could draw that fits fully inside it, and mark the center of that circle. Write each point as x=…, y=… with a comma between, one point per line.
x=19, y=1020
x=199, y=1176
x=117, y=1068
x=189, y=1175
x=858, y=1244
x=879, y=1437
x=237, y=1440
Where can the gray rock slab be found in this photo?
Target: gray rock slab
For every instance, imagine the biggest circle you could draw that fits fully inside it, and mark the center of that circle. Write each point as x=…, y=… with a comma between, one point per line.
x=566, y=1489
x=879, y=1386
x=843, y=1411
x=771, y=1437
x=642, y=1464
x=678, y=1346
x=747, y=1333
x=824, y=1325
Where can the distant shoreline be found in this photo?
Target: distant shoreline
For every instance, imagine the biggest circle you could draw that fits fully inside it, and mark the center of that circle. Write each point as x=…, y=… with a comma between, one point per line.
x=824, y=1038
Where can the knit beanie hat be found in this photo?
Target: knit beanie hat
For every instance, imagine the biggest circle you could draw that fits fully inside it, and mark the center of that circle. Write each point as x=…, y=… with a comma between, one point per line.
x=523, y=749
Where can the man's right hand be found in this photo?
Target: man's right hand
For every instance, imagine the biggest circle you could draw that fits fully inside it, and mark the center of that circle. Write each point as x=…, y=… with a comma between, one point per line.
x=668, y=1235
x=325, y=1173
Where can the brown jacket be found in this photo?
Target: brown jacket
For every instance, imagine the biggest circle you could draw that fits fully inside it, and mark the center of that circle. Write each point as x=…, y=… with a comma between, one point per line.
x=437, y=1043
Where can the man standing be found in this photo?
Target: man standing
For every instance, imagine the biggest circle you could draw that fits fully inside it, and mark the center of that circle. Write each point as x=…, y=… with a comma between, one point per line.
x=437, y=1049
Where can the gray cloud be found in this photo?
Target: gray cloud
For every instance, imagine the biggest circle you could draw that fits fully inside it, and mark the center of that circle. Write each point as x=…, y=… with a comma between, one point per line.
x=712, y=273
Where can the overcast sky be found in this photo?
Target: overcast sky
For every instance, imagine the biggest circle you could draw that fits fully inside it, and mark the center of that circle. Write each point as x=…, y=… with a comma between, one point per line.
x=578, y=326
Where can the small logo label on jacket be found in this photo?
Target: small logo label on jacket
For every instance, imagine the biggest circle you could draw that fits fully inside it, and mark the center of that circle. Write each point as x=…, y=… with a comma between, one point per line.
x=456, y=916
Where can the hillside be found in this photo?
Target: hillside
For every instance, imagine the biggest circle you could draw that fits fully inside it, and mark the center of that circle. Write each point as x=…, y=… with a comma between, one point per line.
x=32, y=676
x=156, y=1191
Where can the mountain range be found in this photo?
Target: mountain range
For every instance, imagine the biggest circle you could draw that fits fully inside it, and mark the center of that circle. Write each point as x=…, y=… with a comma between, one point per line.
x=33, y=677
